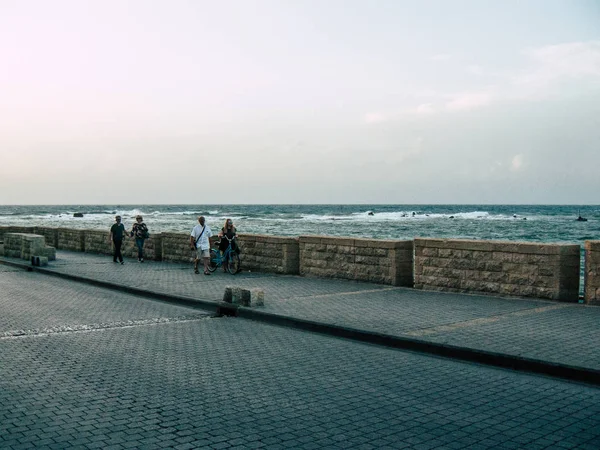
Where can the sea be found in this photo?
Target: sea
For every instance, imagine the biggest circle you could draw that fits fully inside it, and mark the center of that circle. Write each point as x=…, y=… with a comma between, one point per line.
x=518, y=223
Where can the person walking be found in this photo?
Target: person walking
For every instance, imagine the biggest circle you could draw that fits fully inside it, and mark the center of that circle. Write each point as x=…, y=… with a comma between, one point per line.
x=200, y=243
x=116, y=236
x=139, y=230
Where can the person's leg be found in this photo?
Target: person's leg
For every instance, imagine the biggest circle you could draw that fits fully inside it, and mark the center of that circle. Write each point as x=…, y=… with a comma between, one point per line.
x=205, y=255
x=119, y=255
x=196, y=261
x=140, y=246
x=114, y=251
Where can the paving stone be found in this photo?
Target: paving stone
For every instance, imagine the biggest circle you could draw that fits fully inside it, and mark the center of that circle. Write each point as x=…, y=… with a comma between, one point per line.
x=140, y=382
x=538, y=329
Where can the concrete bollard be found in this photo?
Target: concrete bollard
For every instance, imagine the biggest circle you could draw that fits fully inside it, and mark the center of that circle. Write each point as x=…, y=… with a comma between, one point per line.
x=227, y=295
x=257, y=297
x=244, y=297
x=39, y=261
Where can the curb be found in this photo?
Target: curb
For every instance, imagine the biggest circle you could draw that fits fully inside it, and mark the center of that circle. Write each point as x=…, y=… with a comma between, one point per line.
x=494, y=359
x=501, y=360
x=192, y=302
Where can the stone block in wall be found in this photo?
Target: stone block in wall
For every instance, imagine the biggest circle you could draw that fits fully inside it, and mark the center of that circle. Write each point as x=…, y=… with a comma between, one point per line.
x=23, y=245
x=592, y=273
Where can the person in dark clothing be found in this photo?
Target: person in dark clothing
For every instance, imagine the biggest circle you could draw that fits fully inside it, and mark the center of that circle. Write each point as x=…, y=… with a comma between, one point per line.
x=139, y=230
x=228, y=231
x=117, y=233
x=227, y=234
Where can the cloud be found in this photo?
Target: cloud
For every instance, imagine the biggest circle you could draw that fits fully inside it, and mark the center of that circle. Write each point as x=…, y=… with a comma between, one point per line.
x=553, y=63
x=517, y=163
x=467, y=101
x=441, y=57
x=425, y=109
x=375, y=117
x=475, y=69
x=412, y=150
x=548, y=69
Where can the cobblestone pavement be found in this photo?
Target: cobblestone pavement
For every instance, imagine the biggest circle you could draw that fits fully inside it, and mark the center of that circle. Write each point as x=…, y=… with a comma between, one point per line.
x=558, y=333
x=95, y=368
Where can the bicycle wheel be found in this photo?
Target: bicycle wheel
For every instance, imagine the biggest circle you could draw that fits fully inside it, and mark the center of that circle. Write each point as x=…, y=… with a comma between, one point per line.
x=233, y=263
x=215, y=260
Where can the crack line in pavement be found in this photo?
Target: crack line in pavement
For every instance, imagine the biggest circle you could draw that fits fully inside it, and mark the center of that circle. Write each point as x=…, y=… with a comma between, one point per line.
x=100, y=326
x=481, y=321
x=367, y=291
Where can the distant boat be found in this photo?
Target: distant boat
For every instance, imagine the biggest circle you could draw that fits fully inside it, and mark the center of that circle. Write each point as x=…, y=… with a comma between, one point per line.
x=581, y=219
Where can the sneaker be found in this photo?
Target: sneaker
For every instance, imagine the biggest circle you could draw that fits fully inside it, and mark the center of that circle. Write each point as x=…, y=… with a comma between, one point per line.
x=142, y=260
x=122, y=262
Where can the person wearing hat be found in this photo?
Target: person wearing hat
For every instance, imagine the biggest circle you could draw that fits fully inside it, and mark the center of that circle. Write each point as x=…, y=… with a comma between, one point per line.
x=117, y=233
x=139, y=230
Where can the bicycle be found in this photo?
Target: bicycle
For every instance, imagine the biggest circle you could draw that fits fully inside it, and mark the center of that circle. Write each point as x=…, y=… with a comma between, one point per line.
x=230, y=258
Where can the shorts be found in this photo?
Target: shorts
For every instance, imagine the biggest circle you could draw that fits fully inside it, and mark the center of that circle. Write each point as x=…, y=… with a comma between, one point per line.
x=202, y=253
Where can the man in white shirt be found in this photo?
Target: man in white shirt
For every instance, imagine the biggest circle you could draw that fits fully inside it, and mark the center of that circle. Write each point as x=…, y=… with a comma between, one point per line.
x=200, y=243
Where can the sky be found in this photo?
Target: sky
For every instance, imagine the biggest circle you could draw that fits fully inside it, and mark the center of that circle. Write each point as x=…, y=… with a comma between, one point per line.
x=303, y=101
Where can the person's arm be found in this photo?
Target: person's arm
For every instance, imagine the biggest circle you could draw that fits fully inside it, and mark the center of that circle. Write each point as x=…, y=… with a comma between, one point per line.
x=192, y=241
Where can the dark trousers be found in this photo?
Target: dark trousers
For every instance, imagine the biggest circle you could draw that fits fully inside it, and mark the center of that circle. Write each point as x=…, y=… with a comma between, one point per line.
x=140, y=247
x=117, y=254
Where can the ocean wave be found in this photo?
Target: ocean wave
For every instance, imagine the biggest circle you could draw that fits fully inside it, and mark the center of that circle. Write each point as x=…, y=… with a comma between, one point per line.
x=544, y=223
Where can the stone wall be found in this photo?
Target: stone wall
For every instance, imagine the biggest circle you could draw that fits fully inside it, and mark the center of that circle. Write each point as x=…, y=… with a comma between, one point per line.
x=14, y=229
x=592, y=272
x=50, y=234
x=97, y=242
x=152, y=248
x=266, y=253
x=548, y=271
x=70, y=239
x=176, y=247
x=372, y=260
